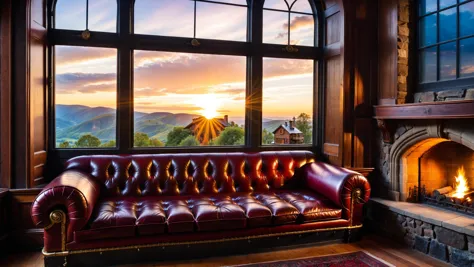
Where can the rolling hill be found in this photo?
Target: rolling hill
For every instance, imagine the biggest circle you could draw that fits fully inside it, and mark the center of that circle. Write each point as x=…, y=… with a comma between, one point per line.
x=73, y=121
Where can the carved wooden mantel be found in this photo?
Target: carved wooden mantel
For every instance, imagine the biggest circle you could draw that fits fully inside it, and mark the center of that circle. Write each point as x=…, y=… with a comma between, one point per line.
x=386, y=115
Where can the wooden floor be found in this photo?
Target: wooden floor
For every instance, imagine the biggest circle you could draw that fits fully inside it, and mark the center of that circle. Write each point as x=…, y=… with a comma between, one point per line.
x=381, y=248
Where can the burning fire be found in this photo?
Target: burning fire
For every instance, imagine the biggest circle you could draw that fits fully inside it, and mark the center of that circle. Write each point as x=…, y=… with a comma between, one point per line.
x=461, y=187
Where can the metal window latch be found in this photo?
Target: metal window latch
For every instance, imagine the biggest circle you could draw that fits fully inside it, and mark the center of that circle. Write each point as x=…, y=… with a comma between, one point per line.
x=291, y=49
x=195, y=42
x=86, y=35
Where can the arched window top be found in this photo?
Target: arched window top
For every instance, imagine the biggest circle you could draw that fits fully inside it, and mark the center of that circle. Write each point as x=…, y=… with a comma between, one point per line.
x=217, y=19
x=97, y=15
x=301, y=6
x=288, y=22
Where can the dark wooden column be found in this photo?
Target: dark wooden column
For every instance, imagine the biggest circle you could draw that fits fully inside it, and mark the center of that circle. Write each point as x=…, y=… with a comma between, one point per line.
x=350, y=75
x=5, y=92
x=387, y=53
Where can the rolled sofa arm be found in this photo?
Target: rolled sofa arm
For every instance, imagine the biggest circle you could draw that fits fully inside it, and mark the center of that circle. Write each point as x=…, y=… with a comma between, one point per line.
x=64, y=206
x=347, y=189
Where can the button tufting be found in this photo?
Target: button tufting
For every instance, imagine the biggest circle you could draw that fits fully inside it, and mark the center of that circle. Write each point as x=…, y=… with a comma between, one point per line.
x=131, y=171
x=110, y=172
x=209, y=169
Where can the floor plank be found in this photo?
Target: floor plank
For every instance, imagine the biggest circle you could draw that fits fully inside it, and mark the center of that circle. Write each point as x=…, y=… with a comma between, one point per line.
x=382, y=248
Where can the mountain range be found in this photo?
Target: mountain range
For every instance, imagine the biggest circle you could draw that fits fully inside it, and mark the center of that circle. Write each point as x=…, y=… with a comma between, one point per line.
x=73, y=121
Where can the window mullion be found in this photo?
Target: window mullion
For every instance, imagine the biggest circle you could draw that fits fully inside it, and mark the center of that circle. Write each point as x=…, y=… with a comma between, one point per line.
x=253, y=117
x=124, y=82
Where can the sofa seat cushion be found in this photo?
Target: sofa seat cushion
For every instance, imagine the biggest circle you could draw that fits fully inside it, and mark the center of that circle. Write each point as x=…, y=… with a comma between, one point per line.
x=123, y=217
x=312, y=207
x=217, y=213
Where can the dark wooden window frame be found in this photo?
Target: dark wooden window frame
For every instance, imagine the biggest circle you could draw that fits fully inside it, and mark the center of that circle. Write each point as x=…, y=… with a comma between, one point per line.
x=125, y=41
x=458, y=83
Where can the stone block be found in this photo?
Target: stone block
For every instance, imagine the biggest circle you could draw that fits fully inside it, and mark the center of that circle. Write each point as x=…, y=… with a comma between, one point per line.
x=459, y=257
x=425, y=97
x=409, y=240
x=470, y=247
x=428, y=233
x=418, y=223
x=400, y=219
x=469, y=94
x=450, y=238
x=422, y=244
x=438, y=250
x=411, y=223
x=450, y=94
x=470, y=239
x=419, y=231
x=426, y=225
x=403, y=69
x=403, y=61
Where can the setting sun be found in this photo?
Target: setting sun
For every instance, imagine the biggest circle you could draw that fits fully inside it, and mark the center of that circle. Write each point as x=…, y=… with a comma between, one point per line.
x=209, y=104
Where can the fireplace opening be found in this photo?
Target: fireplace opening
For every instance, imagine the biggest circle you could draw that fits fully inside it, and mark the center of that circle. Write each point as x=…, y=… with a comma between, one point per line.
x=445, y=175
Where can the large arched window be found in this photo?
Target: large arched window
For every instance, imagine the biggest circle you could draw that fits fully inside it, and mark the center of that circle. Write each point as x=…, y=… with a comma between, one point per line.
x=135, y=75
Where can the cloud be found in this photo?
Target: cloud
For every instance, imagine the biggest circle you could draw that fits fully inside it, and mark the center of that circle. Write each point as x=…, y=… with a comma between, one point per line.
x=286, y=67
x=87, y=83
x=298, y=22
x=65, y=55
x=148, y=92
x=154, y=107
x=187, y=73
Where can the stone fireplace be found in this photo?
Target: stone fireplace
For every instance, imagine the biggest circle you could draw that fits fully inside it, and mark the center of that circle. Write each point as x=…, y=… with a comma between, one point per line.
x=428, y=155
x=420, y=157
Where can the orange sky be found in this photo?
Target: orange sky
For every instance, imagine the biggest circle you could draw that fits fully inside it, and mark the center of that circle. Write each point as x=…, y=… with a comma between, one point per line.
x=187, y=83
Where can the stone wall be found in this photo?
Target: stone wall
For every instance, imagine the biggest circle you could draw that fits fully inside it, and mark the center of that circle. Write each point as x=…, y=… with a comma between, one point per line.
x=445, y=95
x=403, y=49
x=435, y=241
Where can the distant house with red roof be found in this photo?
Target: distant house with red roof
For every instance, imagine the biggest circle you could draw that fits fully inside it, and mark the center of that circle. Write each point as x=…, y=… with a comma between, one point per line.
x=288, y=134
x=205, y=129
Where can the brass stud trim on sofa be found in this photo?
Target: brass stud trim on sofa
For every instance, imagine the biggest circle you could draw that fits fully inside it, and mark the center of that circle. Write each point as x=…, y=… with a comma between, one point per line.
x=163, y=245
x=58, y=216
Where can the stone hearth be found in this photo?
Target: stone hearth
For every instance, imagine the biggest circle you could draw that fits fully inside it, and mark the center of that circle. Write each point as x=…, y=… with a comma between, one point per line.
x=442, y=234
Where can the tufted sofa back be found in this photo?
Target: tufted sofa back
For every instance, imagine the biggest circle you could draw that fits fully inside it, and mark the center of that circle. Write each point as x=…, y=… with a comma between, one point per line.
x=192, y=174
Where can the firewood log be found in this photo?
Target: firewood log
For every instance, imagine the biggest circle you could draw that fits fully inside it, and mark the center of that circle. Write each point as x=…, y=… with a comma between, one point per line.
x=443, y=191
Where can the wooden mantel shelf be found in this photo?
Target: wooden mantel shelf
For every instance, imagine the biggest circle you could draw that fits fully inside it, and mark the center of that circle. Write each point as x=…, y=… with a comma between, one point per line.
x=420, y=111
x=437, y=110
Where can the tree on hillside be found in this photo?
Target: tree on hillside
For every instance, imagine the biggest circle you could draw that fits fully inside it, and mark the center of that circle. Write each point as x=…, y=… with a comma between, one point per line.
x=267, y=137
x=141, y=140
x=65, y=144
x=231, y=136
x=303, y=123
x=111, y=143
x=156, y=143
x=189, y=141
x=88, y=140
x=177, y=135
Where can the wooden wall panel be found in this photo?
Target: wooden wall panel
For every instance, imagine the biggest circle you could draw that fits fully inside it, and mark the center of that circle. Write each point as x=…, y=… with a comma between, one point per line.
x=30, y=93
x=5, y=93
x=38, y=91
x=359, y=127
x=24, y=234
x=333, y=29
x=333, y=108
x=333, y=89
x=387, y=53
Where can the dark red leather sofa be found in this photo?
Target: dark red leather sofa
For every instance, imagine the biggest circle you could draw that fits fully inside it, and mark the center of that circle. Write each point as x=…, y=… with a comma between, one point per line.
x=112, y=203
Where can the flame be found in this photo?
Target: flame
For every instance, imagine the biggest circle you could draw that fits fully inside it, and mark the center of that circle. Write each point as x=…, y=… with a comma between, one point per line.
x=461, y=187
